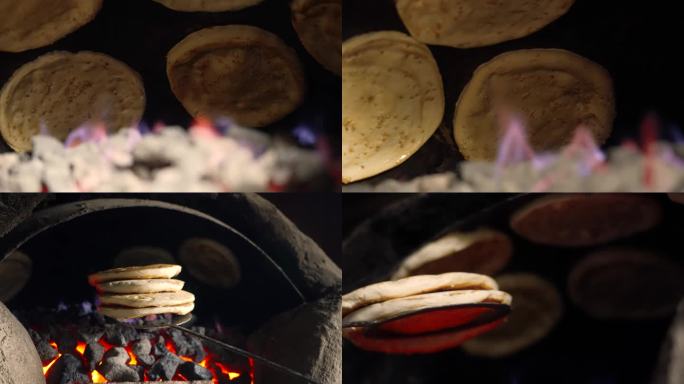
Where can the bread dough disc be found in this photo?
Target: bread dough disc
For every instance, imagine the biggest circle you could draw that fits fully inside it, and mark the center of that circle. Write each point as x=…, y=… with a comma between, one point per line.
x=143, y=300
x=154, y=271
x=414, y=285
x=482, y=251
x=553, y=91
x=139, y=256
x=626, y=283
x=122, y=313
x=578, y=220
x=62, y=91
x=28, y=24
x=210, y=262
x=477, y=23
x=319, y=26
x=236, y=71
x=537, y=307
x=15, y=272
x=140, y=286
x=392, y=102
x=207, y=5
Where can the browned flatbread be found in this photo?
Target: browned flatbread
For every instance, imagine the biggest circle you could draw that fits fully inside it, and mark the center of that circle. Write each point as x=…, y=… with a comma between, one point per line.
x=140, y=286
x=15, y=272
x=207, y=5
x=28, y=24
x=123, y=313
x=210, y=262
x=154, y=271
x=144, y=300
x=319, y=26
x=237, y=71
x=583, y=220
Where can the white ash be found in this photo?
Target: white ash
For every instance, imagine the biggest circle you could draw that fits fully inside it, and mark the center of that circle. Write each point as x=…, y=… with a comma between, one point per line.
x=170, y=160
x=624, y=170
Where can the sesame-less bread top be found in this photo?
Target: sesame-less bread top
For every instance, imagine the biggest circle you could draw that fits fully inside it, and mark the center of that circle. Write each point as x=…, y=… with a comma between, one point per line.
x=552, y=91
x=28, y=24
x=238, y=71
x=61, y=91
x=319, y=26
x=476, y=23
x=414, y=285
x=208, y=5
x=155, y=271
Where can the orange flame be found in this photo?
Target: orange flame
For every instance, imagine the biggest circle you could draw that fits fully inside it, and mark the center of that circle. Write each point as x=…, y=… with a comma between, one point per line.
x=97, y=378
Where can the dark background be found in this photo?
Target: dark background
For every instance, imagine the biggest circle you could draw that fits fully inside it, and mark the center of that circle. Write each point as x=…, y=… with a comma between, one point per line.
x=639, y=43
x=141, y=32
x=381, y=229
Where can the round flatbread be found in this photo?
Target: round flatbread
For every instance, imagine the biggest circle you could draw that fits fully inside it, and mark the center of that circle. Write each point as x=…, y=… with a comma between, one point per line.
x=139, y=256
x=583, y=220
x=414, y=285
x=210, y=262
x=154, y=271
x=625, y=283
x=390, y=309
x=483, y=251
x=122, y=313
x=392, y=102
x=15, y=272
x=319, y=26
x=477, y=23
x=144, y=300
x=62, y=91
x=207, y=5
x=537, y=307
x=140, y=286
x=28, y=24
x=553, y=91
x=236, y=71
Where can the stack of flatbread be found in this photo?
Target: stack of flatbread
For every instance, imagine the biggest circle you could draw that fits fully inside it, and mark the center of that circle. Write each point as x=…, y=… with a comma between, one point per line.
x=423, y=314
x=134, y=292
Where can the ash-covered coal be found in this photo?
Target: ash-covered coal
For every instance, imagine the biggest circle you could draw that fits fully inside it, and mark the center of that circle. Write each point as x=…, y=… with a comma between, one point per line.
x=171, y=159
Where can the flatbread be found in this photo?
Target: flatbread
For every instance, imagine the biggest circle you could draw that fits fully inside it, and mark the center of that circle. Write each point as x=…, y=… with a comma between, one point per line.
x=28, y=24
x=62, y=91
x=483, y=251
x=140, y=286
x=143, y=255
x=477, y=23
x=207, y=5
x=626, y=283
x=210, y=262
x=122, y=313
x=15, y=272
x=537, y=307
x=319, y=26
x=154, y=271
x=396, y=307
x=552, y=91
x=236, y=71
x=392, y=102
x=414, y=285
x=577, y=220
x=143, y=300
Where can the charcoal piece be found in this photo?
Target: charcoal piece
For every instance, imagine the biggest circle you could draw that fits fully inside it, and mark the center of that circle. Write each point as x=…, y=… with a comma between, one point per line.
x=65, y=339
x=182, y=343
x=192, y=371
x=146, y=360
x=165, y=367
x=142, y=347
x=91, y=334
x=67, y=370
x=46, y=352
x=198, y=353
x=117, y=355
x=160, y=347
x=117, y=372
x=120, y=334
x=93, y=354
x=98, y=319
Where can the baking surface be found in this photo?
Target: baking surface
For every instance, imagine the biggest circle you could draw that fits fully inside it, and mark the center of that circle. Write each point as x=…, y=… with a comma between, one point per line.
x=634, y=41
x=141, y=32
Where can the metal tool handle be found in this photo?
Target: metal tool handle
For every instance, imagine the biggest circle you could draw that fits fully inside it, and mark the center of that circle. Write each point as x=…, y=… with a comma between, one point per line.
x=244, y=353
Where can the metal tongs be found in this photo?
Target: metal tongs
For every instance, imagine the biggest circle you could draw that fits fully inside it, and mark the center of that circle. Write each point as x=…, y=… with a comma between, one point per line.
x=177, y=321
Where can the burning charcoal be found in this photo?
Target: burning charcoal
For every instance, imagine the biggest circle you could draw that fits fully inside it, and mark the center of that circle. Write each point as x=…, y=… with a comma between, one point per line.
x=93, y=354
x=142, y=347
x=182, y=344
x=243, y=379
x=117, y=372
x=66, y=340
x=165, y=368
x=90, y=334
x=198, y=354
x=160, y=347
x=192, y=371
x=67, y=370
x=46, y=351
x=117, y=355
